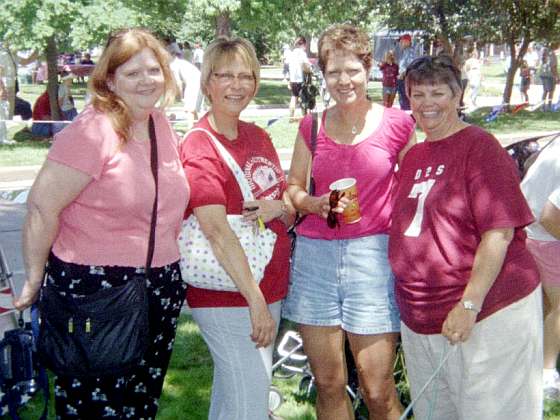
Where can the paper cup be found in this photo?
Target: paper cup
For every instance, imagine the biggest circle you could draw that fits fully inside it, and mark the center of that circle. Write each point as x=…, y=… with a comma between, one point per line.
x=351, y=213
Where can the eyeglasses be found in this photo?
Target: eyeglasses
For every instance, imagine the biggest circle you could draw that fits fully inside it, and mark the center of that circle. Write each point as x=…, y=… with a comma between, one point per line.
x=228, y=78
x=332, y=220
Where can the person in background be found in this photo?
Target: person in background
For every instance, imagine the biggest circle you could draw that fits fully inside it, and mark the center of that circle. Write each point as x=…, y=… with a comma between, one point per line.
x=239, y=328
x=198, y=55
x=341, y=285
x=473, y=69
x=187, y=77
x=532, y=58
x=548, y=78
x=86, y=60
x=525, y=75
x=95, y=183
x=466, y=284
x=65, y=99
x=390, y=71
x=286, y=51
x=298, y=64
x=42, y=112
x=406, y=56
x=541, y=187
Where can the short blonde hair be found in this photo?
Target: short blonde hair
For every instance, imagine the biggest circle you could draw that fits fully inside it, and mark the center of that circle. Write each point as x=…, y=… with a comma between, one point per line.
x=121, y=47
x=224, y=50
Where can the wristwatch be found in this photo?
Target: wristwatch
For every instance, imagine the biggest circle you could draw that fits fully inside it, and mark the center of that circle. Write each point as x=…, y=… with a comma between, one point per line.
x=470, y=306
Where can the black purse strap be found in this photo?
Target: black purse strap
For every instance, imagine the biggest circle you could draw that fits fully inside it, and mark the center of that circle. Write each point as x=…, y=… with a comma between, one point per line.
x=310, y=182
x=154, y=165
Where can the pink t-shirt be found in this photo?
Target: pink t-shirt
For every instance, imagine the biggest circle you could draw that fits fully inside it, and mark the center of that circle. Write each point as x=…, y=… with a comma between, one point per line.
x=450, y=192
x=372, y=162
x=109, y=222
x=213, y=183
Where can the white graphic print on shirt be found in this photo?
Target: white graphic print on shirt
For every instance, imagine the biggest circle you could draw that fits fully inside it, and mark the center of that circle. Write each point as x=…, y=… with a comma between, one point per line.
x=421, y=190
x=264, y=178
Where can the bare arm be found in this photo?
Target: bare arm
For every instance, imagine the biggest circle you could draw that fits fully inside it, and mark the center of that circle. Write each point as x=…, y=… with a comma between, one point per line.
x=268, y=210
x=550, y=219
x=406, y=148
x=56, y=186
x=297, y=182
x=488, y=262
x=230, y=255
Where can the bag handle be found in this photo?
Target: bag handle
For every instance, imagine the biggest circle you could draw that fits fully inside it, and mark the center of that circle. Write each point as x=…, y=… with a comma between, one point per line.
x=154, y=166
x=310, y=182
x=231, y=163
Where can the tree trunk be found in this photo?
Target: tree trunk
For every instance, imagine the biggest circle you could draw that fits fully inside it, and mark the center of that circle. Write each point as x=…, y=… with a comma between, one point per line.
x=516, y=57
x=52, y=67
x=223, y=24
x=11, y=87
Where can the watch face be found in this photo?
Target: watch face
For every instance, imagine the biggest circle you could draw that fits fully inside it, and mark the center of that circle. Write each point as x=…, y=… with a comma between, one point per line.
x=467, y=304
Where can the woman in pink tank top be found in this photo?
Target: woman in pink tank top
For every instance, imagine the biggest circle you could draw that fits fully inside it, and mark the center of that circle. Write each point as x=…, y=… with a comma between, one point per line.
x=341, y=286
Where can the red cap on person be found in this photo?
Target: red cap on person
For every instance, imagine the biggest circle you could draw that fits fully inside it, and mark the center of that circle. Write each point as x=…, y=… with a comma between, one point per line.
x=405, y=37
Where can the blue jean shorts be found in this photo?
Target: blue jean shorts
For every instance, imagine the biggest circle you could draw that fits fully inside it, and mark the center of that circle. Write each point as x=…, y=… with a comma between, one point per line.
x=388, y=90
x=345, y=282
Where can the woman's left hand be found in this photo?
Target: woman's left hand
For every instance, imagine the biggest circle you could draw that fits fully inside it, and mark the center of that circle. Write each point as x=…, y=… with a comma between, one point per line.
x=458, y=325
x=267, y=210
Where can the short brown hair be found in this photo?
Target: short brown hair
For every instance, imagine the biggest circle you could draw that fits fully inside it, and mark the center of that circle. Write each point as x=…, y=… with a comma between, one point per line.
x=223, y=50
x=348, y=38
x=428, y=70
x=121, y=47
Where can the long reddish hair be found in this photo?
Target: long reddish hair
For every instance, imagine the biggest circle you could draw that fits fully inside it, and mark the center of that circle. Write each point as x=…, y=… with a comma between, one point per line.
x=120, y=48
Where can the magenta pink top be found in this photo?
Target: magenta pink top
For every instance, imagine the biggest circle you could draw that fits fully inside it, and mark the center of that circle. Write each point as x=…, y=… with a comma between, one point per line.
x=372, y=162
x=109, y=222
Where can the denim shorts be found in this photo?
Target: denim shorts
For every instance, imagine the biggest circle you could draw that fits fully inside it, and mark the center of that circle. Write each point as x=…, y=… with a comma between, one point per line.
x=346, y=282
x=388, y=90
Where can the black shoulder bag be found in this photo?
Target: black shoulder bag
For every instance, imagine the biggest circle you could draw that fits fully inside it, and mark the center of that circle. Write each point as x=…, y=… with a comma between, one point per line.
x=105, y=333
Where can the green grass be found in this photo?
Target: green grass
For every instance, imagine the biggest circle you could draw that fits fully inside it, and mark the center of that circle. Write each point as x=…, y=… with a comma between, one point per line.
x=187, y=387
x=28, y=151
x=523, y=121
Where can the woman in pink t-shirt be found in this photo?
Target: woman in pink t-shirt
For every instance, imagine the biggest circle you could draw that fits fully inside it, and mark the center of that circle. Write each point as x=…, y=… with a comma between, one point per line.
x=89, y=218
x=238, y=327
x=341, y=285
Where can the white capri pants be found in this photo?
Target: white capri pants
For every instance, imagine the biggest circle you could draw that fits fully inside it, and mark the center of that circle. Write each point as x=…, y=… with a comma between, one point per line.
x=242, y=373
x=495, y=375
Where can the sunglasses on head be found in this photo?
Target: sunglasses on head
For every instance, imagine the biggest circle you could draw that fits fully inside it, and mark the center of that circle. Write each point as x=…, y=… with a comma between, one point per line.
x=332, y=220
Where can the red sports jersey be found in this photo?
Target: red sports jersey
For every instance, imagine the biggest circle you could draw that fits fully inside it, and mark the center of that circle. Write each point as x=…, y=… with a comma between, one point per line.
x=450, y=192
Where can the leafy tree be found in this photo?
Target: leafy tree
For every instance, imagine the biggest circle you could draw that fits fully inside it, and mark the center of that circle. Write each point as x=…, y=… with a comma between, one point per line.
x=514, y=22
x=51, y=25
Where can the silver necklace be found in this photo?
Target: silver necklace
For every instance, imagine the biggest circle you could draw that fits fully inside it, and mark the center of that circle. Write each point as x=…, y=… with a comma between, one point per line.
x=354, y=130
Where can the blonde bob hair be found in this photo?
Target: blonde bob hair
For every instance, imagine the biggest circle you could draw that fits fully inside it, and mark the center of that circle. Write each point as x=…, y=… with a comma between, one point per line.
x=121, y=47
x=225, y=50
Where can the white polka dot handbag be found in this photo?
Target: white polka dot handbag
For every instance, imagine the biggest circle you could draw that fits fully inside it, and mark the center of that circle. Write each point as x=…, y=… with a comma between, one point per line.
x=199, y=266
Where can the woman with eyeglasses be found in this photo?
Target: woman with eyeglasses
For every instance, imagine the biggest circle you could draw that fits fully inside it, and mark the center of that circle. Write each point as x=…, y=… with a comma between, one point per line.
x=89, y=213
x=468, y=289
x=238, y=327
x=341, y=285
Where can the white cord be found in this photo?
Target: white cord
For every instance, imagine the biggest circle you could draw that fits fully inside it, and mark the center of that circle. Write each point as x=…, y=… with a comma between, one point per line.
x=444, y=356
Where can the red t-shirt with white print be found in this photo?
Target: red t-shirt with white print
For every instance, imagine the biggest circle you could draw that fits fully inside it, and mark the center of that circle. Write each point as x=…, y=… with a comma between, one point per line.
x=212, y=182
x=449, y=193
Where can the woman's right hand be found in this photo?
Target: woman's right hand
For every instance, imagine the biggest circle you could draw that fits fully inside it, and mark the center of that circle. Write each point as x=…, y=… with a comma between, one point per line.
x=264, y=326
x=321, y=205
x=28, y=295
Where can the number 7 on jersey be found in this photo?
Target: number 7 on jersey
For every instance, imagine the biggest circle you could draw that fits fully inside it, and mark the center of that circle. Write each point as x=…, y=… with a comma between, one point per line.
x=420, y=191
